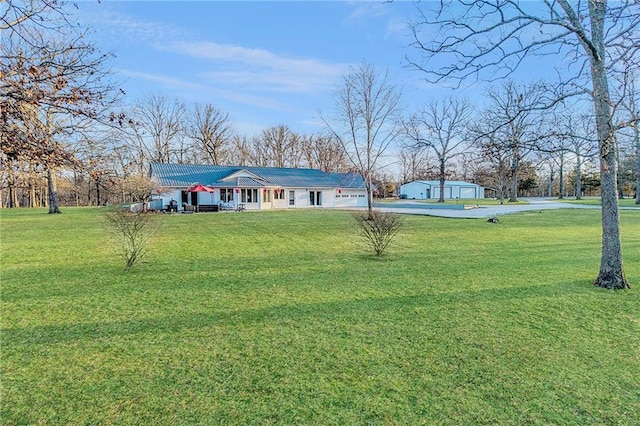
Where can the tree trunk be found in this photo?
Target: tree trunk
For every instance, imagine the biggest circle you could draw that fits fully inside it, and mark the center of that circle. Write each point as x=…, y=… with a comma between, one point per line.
x=442, y=176
x=637, y=135
x=619, y=181
x=53, y=192
x=561, y=177
x=370, y=196
x=98, y=200
x=579, y=181
x=76, y=193
x=611, y=275
x=513, y=196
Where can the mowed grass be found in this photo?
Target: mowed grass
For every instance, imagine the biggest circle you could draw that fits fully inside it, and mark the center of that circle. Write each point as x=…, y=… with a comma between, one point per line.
x=282, y=318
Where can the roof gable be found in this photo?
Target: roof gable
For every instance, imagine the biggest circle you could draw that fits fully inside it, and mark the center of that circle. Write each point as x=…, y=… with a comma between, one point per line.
x=242, y=173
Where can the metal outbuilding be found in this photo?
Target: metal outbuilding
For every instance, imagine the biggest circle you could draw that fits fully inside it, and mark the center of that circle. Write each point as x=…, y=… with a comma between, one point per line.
x=430, y=190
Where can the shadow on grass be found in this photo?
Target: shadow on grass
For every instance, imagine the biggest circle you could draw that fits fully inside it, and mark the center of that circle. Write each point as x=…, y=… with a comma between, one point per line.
x=52, y=334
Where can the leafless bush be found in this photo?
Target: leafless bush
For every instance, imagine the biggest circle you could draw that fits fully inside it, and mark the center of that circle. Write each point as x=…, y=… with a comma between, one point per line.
x=378, y=229
x=132, y=232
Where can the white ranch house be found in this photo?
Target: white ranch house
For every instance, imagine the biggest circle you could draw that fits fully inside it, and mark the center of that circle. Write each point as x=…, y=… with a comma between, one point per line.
x=212, y=188
x=430, y=190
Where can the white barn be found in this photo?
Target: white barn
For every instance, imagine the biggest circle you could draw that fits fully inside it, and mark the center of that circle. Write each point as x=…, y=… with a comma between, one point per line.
x=430, y=190
x=212, y=188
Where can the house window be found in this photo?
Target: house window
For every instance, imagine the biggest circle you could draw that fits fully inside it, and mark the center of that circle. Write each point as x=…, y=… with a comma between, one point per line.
x=278, y=194
x=266, y=195
x=226, y=195
x=249, y=195
x=292, y=198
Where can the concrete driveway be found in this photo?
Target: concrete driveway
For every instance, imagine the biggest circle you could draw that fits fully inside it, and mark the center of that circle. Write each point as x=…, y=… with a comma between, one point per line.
x=460, y=211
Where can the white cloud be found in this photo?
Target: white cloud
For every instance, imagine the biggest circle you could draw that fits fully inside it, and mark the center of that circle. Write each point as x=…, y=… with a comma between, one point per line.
x=259, y=69
x=118, y=27
x=365, y=10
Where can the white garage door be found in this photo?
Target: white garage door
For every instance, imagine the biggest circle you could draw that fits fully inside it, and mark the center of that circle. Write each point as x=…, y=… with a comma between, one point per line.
x=467, y=193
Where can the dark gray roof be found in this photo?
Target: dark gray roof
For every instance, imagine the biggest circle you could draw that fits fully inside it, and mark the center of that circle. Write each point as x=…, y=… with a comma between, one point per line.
x=185, y=175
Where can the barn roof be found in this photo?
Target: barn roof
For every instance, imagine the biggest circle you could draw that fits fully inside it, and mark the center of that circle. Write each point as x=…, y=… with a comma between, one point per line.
x=185, y=175
x=446, y=182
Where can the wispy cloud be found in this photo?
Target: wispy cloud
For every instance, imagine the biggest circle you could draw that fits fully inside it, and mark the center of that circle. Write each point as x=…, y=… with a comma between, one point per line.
x=365, y=10
x=119, y=27
x=205, y=89
x=259, y=69
x=384, y=12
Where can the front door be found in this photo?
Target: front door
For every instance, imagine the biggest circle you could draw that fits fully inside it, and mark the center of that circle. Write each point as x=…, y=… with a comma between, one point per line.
x=315, y=198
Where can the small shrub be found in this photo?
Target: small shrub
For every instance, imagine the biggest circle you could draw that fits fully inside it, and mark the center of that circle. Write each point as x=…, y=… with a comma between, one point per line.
x=132, y=232
x=378, y=229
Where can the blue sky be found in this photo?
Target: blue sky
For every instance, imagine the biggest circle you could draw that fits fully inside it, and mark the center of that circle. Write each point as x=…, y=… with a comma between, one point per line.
x=265, y=63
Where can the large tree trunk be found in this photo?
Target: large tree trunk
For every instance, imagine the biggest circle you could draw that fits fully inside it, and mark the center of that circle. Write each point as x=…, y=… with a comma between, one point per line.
x=611, y=275
x=53, y=192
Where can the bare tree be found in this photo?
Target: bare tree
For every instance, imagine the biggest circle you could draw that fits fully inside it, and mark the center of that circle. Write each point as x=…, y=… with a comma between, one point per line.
x=132, y=232
x=54, y=83
x=414, y=163
x=516, y=124
x=211, y=131
x=366, y=120
x=630, y=107
x=277, y=146
x=598, y=38
x=378, y=230
x=242, y=154
x=157, y=127
x=576, y=136
x=498, y=175
x=441, y=126
x=324, y=153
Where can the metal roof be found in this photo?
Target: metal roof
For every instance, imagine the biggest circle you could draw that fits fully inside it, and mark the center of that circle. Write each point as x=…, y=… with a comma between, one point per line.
x=446, y=183
x=185, y=175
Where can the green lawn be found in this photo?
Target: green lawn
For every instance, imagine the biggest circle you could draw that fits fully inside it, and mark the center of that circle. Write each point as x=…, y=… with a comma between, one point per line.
x=280, y=318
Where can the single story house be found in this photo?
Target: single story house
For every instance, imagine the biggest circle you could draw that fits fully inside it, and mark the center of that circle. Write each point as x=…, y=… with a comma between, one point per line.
x=212, y=187
x=430, y=190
